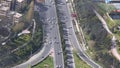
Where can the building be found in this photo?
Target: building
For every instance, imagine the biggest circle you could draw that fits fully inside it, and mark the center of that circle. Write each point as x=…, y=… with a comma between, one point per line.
x=5, y=7
x=4, y=11
x=19, y=4
x=107, y=1
x=17, y=17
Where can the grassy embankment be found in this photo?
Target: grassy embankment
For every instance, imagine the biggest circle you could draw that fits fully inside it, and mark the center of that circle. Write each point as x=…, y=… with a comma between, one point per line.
x=47, y=63
x=78, y=62
x=98, y=40
x=112, y=24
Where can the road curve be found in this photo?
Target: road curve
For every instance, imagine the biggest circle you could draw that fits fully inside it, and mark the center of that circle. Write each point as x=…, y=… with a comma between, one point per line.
x=79, y=49
x=42, y=54
x=68, y=22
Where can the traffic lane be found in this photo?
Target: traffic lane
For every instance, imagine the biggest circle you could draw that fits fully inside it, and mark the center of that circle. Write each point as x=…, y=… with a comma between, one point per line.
x=52, y=15
x=76, y=40
x=34, y=59
x=49, y=17
x=69, y=55
x=58, y=48
x=68, y=21
x=58, y=56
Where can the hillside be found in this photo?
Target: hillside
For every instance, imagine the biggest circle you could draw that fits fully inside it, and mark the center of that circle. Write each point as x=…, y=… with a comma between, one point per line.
x=97, y=38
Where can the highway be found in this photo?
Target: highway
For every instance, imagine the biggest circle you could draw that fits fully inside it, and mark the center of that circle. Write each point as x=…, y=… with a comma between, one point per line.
x=44, y=52
x=58, y=54
x=51, y=17
x=69, y=60
x=52, y=35
x=65, y=17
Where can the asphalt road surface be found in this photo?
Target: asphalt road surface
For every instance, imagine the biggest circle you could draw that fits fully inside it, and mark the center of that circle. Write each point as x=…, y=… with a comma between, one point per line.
x=66, y=17
x=58, y=55
x=44, y=52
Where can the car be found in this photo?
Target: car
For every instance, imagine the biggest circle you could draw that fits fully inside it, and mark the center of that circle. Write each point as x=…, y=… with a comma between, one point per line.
x=52, y=2
x=69, y=62
x=58, y=1
x=50, y=42
x=57, y=42
x=59, y=66
x=70, y=27
x=70, y=34
x=65, y=34
x=42, y=56
x=53, y=18
x=60, y=52
x=50, y=28
x=67, y=1
x=65, y=39
x=48, y=19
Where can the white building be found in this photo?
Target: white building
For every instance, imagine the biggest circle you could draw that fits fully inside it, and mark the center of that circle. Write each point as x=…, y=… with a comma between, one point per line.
x=5, y=7
x=19, y=4
x=17, y=17
x=4, y=10
x=20, y=1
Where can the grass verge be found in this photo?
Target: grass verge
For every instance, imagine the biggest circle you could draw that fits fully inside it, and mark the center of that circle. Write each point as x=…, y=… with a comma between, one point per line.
x=78, y=62
x=47, y=63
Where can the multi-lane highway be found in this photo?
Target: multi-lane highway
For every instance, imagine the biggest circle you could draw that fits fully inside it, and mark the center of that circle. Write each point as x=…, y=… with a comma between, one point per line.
x=47, y=34
x=58, y=54
x=65, y=34
x=51, y=37
x=54, y=11
x=65, y=17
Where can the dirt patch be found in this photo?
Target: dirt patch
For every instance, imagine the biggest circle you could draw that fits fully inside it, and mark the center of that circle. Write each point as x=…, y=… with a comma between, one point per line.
x=4, y=32
x=91, y=43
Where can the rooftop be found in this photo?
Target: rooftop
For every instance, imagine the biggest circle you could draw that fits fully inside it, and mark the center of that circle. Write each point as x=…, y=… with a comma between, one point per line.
x=17, y=15
x=4, y=8
x=9, y=0
x=20, y=1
